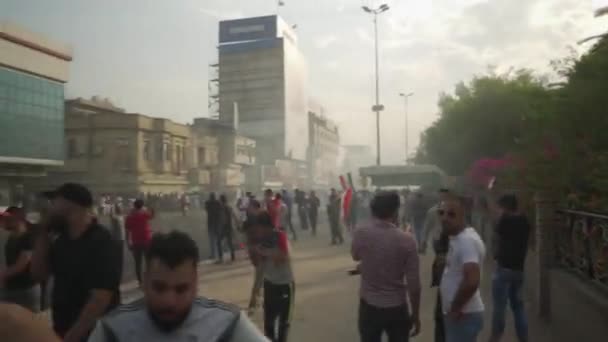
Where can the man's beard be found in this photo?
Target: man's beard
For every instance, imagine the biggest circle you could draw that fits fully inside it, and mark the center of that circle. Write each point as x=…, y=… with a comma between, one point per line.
x=168, y=326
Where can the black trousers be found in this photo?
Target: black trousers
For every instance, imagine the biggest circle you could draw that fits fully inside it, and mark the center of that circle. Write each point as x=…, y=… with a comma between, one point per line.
x=138, y=255
x=375, y=321
x=336, y=231
x=278, y=307
x=303, y=218
x=439, y=327
x=313, y=215
x=225, y=236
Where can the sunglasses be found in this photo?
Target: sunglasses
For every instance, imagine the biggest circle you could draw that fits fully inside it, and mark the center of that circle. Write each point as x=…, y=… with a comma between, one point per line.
x=449, y=214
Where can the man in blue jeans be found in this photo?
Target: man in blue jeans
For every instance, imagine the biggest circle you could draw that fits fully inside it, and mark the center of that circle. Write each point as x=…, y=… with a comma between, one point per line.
x=460, y=297
x=511, y=245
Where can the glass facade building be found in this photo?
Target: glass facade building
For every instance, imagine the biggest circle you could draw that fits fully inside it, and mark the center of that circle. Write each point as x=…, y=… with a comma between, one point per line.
x=31, y=118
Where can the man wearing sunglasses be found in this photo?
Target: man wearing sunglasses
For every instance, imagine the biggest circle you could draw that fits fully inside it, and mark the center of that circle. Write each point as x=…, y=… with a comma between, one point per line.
x=461, y=298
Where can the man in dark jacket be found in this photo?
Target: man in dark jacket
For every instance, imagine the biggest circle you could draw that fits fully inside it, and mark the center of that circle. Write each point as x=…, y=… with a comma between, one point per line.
x=213, y=209
x=333, y=211
x=313, y=211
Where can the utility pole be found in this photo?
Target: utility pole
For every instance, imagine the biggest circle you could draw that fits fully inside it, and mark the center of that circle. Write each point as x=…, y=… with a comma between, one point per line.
x=377, y=107
x=407, y=137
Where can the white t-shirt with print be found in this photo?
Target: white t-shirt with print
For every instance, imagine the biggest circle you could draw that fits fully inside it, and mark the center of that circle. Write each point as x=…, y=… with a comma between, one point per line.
x=466, y=247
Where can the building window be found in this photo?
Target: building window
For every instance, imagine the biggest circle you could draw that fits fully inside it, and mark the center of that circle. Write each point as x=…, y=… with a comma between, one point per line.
x=201, y=156
x=146, y=151
x=72, y=149
x=178, y=158
x=160, y=152
x=167, y=151
x=123, y=158
x=98, y=151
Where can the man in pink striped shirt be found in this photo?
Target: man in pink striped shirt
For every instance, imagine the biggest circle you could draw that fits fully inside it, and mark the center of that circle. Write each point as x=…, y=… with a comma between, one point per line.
x=390, y=273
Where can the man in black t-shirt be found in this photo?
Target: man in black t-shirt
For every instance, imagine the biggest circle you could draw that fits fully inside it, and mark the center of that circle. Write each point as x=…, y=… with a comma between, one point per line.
x=16, y=281
x=213, y=208
x=83, y=259
x=511, y=246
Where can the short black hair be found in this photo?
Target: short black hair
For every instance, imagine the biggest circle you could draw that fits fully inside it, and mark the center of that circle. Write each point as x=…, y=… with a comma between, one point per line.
x=508, y=202
x=385, y=204
x=172, y=249
x=278, y=196
x=73, y=192
x=461, y=200
x=223, y=199
x=138, y=204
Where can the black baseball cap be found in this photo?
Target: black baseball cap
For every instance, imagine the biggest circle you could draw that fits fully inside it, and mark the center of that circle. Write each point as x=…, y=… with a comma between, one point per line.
x=72, y=192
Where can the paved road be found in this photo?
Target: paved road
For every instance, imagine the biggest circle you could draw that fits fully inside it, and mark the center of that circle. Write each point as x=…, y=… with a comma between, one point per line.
x=326, y=297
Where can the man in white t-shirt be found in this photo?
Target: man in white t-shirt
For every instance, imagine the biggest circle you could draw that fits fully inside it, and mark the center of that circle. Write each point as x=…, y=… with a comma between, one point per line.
x=461, y=299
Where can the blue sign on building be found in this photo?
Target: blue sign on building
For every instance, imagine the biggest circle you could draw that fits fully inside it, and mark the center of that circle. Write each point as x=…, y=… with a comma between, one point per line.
x=247, y=29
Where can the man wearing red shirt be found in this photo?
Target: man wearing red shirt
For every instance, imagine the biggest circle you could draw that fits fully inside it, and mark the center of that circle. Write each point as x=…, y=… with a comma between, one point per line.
x=139, y=233
x=273, y=207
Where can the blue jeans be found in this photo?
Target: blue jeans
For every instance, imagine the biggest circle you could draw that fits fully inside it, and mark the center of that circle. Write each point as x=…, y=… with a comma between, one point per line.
x=465, y=329
x=507, y=285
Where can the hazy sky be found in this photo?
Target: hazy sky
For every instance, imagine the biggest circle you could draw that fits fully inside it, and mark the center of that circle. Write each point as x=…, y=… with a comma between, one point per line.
x=152, y=56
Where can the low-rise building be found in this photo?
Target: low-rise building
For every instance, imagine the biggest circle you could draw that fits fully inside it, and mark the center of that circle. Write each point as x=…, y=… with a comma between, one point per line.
x=236, y=154
x=112, y=151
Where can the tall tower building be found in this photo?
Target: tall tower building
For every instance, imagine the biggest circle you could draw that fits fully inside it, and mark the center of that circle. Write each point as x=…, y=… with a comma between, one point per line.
x=263, y=86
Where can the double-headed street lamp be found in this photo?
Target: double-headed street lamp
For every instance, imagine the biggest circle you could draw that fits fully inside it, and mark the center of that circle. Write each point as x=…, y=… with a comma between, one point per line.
x=405, y=98
x=377, y=107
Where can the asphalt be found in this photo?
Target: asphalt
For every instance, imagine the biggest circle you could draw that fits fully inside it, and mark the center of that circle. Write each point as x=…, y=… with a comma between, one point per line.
x=326, y=300
x=327, y=297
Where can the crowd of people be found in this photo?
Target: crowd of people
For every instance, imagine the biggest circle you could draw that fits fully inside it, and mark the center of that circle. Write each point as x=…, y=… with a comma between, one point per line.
x=223, y=219
x=84, y=261
x=389, y=264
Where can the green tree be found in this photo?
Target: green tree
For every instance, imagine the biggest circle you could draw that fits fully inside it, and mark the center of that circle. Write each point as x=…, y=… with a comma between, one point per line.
x=558, y=134
x=482, y=119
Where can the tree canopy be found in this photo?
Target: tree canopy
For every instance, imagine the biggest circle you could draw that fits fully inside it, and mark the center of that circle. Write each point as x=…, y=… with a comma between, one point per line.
x=484, y=118
x=557, y=131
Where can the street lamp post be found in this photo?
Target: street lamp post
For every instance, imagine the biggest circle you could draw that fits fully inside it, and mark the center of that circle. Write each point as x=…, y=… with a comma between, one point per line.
x=377, y=107
x=407, y=138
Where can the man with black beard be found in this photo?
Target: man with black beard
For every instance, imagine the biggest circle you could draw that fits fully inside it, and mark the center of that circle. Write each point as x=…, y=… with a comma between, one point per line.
x=170, y=309
x=83, y=260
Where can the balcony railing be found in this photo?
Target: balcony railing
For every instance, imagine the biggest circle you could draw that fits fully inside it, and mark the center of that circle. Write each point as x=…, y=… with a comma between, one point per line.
x=582, y=244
